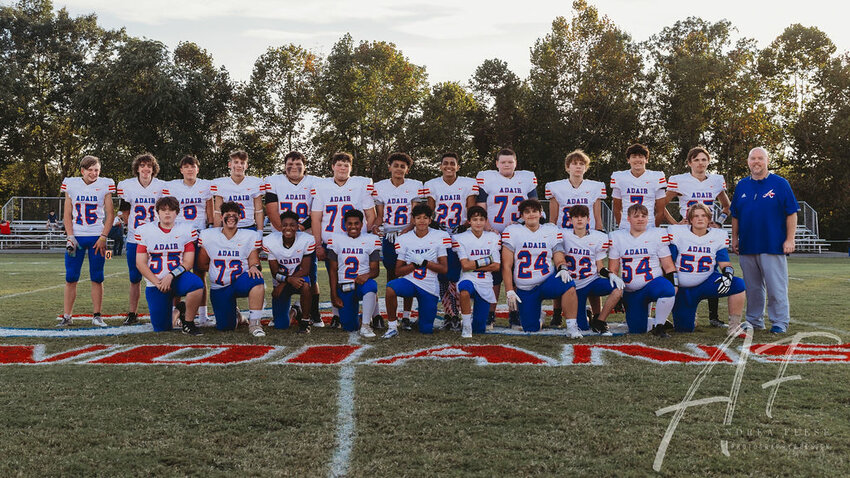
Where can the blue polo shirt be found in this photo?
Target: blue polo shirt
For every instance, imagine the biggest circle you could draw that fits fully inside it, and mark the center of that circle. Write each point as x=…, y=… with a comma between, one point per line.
x=761, y=208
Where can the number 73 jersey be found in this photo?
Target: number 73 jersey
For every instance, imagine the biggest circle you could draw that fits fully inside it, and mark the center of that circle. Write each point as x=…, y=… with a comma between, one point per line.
x=639, y=256
x=228, y=257
x=533, y=252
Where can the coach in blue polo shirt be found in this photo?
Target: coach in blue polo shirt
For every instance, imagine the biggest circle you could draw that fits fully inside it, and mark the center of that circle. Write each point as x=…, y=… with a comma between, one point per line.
x=764, y=221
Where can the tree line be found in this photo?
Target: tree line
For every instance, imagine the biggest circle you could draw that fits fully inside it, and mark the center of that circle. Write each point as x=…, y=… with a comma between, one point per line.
x=69, y=87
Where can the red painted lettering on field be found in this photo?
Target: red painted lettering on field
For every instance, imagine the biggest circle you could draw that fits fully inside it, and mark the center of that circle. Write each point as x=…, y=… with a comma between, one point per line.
x=323, y=354
x=592, y=353
x=483, y=354
x=34, y=354
x=802, y=353
x=216, y=355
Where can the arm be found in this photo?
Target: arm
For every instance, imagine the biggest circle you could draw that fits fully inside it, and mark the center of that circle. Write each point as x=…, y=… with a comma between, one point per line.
x=259, y=215
x=617, y=207
x=733, y=241
x=210, y=208
x=124, y=207
x=217, y=201
x=316, y=230
x=109, y=209
x=667, y=216
x=163, y=284
x=273, y=212
x=203, y=260
x=597, y=215
x=790, y=231
x=667, y=264
x=554, y=209
x=253, y=264
x=188, y=260
x=403, y=268
x=469, y=265
x=508, y=268
x=68, y=216
x=333, y=267
x=661, y=211
x=614, y=266
x=372, y=220
x=725, y=203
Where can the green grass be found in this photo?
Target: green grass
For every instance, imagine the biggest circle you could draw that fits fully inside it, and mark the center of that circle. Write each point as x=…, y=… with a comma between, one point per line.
x=423, y=418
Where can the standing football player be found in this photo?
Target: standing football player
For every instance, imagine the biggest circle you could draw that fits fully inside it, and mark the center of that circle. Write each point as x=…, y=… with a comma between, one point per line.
x=165, y=254
x=643, y=255
x=138, y=197
x=534, y=269
x=245, y=191
x=231, y=255
x=291, y=254
x=479, y=254
x=421, y=256
x=638, y=185
x=88, y=215
x=354, y=259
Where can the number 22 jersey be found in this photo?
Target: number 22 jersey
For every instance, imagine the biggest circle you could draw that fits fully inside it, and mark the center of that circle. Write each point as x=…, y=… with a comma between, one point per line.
x=639, y=256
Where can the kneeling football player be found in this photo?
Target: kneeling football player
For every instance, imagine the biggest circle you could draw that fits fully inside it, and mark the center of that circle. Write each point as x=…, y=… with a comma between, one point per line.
x=421, y=257
x=291, y=254
x=231, y=255
x=478, y=251
x=531, y=255
x=165, y=253
x=355, y=257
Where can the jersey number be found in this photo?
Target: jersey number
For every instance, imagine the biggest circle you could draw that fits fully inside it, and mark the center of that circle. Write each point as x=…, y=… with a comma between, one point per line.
x=444, y=217
x=141, y=215
x=502, y=202
x=190, y=212
x=584, y=267
x=235, y=267
x=332, y=209
x=300, y=208
x=524, y=258
x=703, y=265
x=400, y=217
x=172, y=261
x=643, y=267
x=353, y=264
x=90, y=214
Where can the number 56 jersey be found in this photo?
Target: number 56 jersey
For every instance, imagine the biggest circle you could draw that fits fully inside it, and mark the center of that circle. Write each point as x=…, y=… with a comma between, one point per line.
x=228, y=257
x=697, y=255
x=639, y=256
x=533, y=252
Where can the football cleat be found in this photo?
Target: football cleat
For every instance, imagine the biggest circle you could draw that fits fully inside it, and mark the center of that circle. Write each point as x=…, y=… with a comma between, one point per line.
x=378, y=322
x=466, y=331
x=513, y=320
x=205, y=322
x=335, y=322
x=304, y=326
x=318, y=322
x=556, y=321
x=573, y=331
x=776, y=329
x=390, y=334
x=366, y=331
x=97, y=321
x=600, y=327
x=659, y=332
x=491, y=321
x=66, y=321
x=620, y=307
x=716, y=323
x=405, y=325
x=256, y=330
x=189, y=328
x=132, y=319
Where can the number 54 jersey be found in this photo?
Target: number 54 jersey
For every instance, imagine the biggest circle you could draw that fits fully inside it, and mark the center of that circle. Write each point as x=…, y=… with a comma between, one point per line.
x=533, y=252
x=639, y=256
x=228, y=257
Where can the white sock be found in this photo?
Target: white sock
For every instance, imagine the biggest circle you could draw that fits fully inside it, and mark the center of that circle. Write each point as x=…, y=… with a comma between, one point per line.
x=369, y=301
x=405, y=314
x=466, y=320
x=572, y=323
x=392, y=324
x=663, y=307
x=254, y=316
x=202, y=312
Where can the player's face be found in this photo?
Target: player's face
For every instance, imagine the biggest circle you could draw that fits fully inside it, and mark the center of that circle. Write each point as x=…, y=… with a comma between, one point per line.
x=699, y=164
x=288, y=227
x=230, y=219
x=294, y=169
x=637, y=163
x=580, y=222
x=167, y=216
x=477, y=224
x=448, y=166
x=145, y=171
x=90, y=174
x=638, y=221
x=577, y=169
x=757, y=161
x=237, y=167
x=189, y=171
x=506, y=165
x=699, y=219
x=398, y=169
x=353, y=226
x=342, y=170
x=531, y=217
x=421, y=222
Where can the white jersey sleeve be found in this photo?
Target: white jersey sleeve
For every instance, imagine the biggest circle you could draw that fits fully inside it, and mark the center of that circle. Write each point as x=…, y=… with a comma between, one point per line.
x=291, y=197
x=473, y=248
x=354, y=254
x=242, y=194
x=193, y=201
x=88, y=202
x=398, y=202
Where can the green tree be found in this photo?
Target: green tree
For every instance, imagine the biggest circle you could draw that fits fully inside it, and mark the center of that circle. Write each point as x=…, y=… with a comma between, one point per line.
x=499, y=121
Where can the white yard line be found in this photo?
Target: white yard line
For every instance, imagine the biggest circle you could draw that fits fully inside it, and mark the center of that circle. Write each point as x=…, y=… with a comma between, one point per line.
x=51, y=287
x=345, y=428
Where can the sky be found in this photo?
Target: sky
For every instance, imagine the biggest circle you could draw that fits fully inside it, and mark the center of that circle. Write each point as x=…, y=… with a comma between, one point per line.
x=449, y=37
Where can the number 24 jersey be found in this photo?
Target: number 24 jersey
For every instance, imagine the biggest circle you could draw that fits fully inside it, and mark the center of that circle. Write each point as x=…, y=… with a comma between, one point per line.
x=533, y=252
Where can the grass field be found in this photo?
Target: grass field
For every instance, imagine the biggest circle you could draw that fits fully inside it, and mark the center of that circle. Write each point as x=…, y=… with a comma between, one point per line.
x=421, y=418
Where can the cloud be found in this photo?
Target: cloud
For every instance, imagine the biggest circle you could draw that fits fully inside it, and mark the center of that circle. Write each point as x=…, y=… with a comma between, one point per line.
x=283, y=35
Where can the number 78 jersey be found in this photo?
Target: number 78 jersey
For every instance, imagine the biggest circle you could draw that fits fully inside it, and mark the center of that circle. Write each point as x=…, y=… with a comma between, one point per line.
x=533, y=252
x=228, y=257
x=639, y=256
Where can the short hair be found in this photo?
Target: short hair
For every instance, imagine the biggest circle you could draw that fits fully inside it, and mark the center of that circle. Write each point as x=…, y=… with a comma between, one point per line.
x=694, y=152
x=189, y=159
x=239, y=154
x=144, y=158
x=341, y=156
x=638, y=149
x=693, y=209
x=530, y=204
x=295, y=156
x=400, y=157
x=476, y=211
x=229, y=206
x=450, y=154
x=89, y=161
x=576, y=156
x=505, y=152
x=759, y=148
x=352, y=213
x=288, y=214
x=637, y=208
x=579, y=210
x=420, y=209
x=167, y=202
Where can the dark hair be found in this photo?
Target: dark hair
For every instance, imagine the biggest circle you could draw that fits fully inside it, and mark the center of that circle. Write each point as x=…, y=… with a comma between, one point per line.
x=420, y=209
x=239, y=154
x=230, y=206
x=145, y=158
x=337, y=157
x=189, y=159
x=400, y=157
x=638, y=149
x=532, y=204
x=167, y=202
x=352, y=213
x=89, y=161
x=505, y=152
x=579, y=210
x=295, y=156
x=288, y=214
x=637, y=208
x=476, y=211
x=694, y=152
x=450, y=154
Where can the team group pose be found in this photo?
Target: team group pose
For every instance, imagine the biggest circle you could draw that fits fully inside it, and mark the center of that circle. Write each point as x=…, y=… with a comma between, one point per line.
x=452, y=239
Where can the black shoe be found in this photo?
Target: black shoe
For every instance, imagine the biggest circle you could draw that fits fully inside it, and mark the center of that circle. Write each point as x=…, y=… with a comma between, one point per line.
x=132, y=319
x=556, y=322
x=189, y=328
x=491, y=320
x=335, y=322
x=447, y=322
x=620, y=307
x=378, y=322
x=181, y=310
x=668, y=326
x=405, y=324
x=513, y=320
x=717, y=323
x=659, y=332
x=599, y=326
x=304, y=326
x=455, y=324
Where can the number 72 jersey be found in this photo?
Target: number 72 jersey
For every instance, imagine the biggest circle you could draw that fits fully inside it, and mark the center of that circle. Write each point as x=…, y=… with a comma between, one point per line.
x=228, y=257
x=639, y=256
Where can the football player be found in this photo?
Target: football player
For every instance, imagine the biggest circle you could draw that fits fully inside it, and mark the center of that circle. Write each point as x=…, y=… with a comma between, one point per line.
x=648, y=272
x=479, y=256
x=138, y=197
x=291, y=254
x=231, y=255
x=354, y=257
x=534, y=268
x=245, y=191
x=88, y=215
x=638, y=185
x=697, y=252
x=421, y=256
x=165, y=254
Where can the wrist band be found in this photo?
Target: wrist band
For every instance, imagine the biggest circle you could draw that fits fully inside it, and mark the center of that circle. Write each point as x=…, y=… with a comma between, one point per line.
x=177, y=271
x=280, y=277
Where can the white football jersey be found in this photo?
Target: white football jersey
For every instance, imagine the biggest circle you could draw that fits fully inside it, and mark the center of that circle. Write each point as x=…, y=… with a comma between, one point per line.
x=691, y=190
x=397, y=201
x=582, y=253
x=165, y=248
x=504, y=195
x=288, y=258
x=88, y=201
x=568, y=196
x=353, y=254
x=643, y=190
x=242, y=194
x=533, y=252
x=334, y=200
x=193, y=201
x=697, y=256
x=228, y=257
x=467, y=246
x=639, y=256
x=292, y=197
x=450, y=200
x=142, y=201
x=410, y=243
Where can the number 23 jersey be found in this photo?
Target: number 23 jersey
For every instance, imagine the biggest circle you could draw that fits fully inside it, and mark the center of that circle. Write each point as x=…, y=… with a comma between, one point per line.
x=639, y=256
x=228, y=257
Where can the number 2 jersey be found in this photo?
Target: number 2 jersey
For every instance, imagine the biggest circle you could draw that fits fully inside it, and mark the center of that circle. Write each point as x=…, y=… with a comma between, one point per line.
x=193, y=201
x=468, y=246
x=450, y=200
x=242, y=194
x=691, y=190
x=568, y=196
x=397, y=202
x=228, y=257
x=289, y=258
x=697, y=256
x=503, y=195
x=87, y=201
x=410, y=243
x=642, y=190
x=165, y=248
x=142, y=200
x=334, y=200
x=353, y=254
x=582, y=253
x=639, y=256
x=533, y=252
